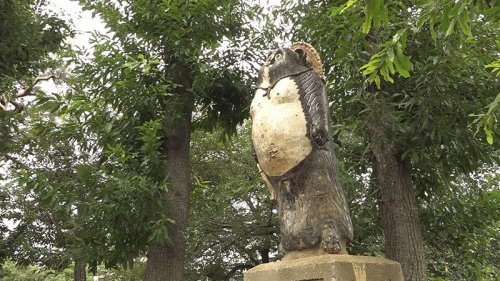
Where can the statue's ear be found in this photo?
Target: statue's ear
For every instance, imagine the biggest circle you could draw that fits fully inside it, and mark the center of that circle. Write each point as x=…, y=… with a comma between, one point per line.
x=302, y=55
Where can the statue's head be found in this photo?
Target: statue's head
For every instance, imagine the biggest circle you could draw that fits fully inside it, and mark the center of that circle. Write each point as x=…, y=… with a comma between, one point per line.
x=285, y=62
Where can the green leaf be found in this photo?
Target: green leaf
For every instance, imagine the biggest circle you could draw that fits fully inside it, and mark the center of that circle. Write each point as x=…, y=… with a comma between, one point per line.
x=377, y=15
x=489, y=135
x=377, y=81
x=464, y=23
x=384, y=70
x=400, y=68
x=348, y=5
x=397, y=36
x=370, y=10
x=366, y=25
x=385, y=17
x=369, y=71
x=403, y=59
x=432, y=29
x=495, y=67
x=390, y=53
x=404, y=38
x=390, y=64
x=450, y=28
x=336, y=10
x=374, y=63
x=371, y=78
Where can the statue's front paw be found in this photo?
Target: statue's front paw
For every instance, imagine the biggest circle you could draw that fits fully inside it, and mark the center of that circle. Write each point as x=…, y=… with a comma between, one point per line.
x=319, y=135
x=330, y=241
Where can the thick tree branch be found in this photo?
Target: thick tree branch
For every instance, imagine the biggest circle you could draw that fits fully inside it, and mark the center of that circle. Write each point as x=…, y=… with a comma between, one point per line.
x=18, y=106
x=25, y=91
x=4, y=102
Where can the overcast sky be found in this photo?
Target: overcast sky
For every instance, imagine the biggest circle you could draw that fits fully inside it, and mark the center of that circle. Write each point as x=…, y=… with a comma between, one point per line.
x=83, y=22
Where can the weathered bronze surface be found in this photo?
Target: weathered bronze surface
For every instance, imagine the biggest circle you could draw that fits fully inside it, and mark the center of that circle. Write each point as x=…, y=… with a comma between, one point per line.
x=292, y=144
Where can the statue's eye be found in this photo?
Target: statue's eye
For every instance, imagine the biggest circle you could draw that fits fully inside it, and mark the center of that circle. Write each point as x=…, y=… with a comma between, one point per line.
x=273, y=57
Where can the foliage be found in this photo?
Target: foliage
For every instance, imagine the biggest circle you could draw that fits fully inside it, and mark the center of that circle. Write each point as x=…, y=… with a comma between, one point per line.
x=11, y=272
x=29, y=34
x=93, y=163
x=489, y=121
x=233, y=217
x=463, y=223
x=77, y=198
x=85, y=167
x=233, y=224
x=132, y=274
x=179, y=34
x=429, y=83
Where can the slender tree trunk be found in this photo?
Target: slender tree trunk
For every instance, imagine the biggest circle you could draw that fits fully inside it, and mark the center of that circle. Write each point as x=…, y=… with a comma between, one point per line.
x=79, y=270
x=397, y=206
x=264, y=255
x=166, y=262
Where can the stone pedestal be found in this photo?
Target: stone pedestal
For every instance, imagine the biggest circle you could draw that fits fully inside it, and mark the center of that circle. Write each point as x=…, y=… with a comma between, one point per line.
x=328, y=268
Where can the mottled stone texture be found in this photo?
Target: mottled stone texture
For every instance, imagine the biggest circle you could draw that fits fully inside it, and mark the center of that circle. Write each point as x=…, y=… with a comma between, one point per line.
x=328, y=267
x=292, y=144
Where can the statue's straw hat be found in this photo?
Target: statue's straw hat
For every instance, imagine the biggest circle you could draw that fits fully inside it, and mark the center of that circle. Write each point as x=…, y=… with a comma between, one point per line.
x=312, y=57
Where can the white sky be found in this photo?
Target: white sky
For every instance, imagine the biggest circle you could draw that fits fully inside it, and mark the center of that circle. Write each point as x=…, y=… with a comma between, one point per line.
x=83, y=22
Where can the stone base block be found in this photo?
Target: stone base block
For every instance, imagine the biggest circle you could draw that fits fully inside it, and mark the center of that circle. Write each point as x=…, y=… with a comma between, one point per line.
x=328, y=268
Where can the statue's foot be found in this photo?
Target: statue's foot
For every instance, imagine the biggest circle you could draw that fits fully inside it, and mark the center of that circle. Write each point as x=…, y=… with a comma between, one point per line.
x=330, y=241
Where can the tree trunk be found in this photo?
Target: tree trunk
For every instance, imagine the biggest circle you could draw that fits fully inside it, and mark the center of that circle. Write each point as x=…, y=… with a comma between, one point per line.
x=166, y=262
x=397, y=206
x=79, y=271
x=264, y=255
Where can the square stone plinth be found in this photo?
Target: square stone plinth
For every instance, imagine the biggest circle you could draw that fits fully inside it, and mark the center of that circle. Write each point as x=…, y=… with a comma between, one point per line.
x=328, y=268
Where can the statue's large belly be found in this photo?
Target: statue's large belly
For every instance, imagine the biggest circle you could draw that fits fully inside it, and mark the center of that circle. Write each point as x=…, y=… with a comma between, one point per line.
x=279, y=128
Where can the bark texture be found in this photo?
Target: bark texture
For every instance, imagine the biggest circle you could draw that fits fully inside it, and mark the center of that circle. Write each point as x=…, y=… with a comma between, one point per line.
x=166, y=262
x=397, y=206
x=79, y=272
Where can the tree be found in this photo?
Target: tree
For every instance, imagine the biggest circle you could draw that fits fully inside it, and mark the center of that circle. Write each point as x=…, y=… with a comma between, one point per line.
x=135, y=112
x=233, y=224
x=11, y=272
x=403, y=79
x=29, y=34
x=179, y=35
x=462, y=223
x=92, y=178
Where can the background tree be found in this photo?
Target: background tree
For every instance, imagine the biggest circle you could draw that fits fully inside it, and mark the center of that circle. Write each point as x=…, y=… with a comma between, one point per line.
x=30, y=34
x=11, y=272
x=402, y=78
x=179, y=35
x=127, y=124
x=88, y=170
x=233, y=224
